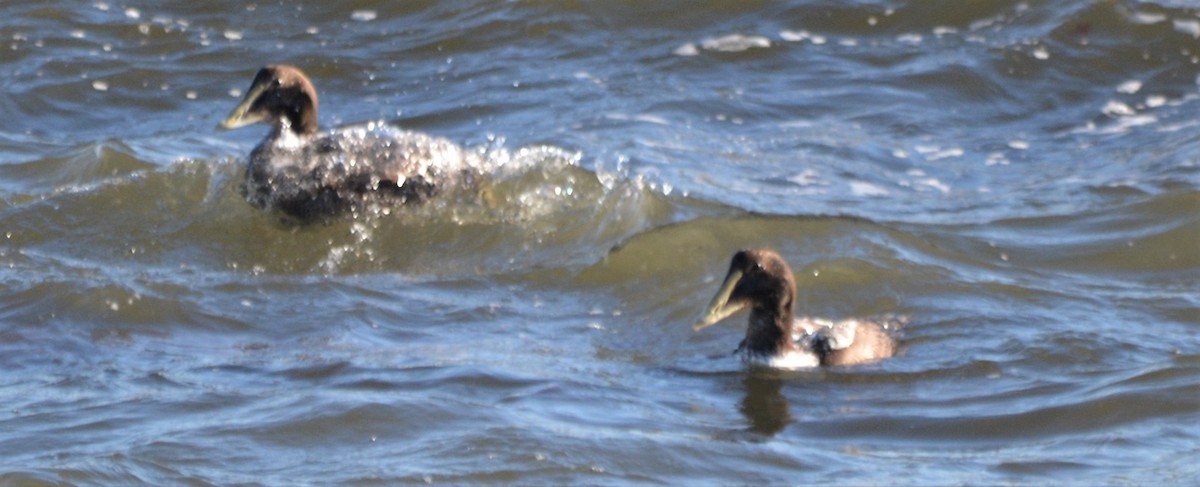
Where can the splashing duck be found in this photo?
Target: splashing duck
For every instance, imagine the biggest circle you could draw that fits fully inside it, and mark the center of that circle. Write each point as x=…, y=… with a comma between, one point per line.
x=308, y=174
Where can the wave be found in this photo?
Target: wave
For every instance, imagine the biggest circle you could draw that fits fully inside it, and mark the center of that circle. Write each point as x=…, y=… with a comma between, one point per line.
x=537, y=204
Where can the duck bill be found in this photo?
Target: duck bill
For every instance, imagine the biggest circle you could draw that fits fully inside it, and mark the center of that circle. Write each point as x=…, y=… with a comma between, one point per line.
x=720, y=307
x=241, y=116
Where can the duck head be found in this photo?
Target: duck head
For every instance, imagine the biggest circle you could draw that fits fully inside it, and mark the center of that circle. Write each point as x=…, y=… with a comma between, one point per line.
x=758, y=279
x=281, y=95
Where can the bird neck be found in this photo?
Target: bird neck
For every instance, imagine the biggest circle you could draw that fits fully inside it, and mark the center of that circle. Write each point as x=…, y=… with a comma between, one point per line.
x=301, y=117
x=770, y=331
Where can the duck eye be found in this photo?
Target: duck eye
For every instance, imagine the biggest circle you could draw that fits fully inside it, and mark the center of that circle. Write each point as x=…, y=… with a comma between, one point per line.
x=275, y=82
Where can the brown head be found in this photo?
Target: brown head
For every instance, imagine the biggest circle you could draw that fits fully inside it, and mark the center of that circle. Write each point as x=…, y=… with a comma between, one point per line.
x=758, y=279
x=280, y=95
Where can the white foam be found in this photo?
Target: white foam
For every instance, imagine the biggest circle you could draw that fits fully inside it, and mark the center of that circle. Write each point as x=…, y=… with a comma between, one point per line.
x=1145, y=18
x=640, y=117
x=688, y=49
x=1129, y=87
x=1117, y=109
x=984, y=23
x=794, y=35
x=727, y=43
x=863, y=188
x=996, y=159
x=363, y=15
x=935, y=184
x=735, y=43
x=1188, y=26
x=1127, y=123
x=934, y=153
x=808, y=177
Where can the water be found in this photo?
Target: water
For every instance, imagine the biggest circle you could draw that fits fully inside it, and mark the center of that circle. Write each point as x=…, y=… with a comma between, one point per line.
x=1018, y=180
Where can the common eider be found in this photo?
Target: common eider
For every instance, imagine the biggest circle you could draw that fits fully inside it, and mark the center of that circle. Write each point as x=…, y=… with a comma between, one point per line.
x=759, y=279
x=309, y=174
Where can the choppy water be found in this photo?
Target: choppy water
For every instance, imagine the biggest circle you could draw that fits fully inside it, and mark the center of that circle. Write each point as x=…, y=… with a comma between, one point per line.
x=1021, y=180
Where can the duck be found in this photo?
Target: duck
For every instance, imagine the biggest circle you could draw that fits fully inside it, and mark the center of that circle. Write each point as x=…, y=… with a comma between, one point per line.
x=309, y=174
x=759, y=279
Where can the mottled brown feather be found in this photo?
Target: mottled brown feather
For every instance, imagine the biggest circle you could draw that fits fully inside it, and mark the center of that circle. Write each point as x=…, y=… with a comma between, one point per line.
x=766, y=285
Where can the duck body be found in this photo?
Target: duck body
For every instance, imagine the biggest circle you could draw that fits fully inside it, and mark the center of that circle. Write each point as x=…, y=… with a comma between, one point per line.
x=351, y=167
x=761, y=280
x=308, y=174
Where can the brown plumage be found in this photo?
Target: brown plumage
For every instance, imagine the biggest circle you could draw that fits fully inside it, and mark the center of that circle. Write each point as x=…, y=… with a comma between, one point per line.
x=761, y=280
x=307, y=174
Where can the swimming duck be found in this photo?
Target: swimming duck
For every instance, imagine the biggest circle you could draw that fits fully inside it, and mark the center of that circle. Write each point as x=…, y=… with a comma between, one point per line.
x=308, y=174
x=759, y=279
